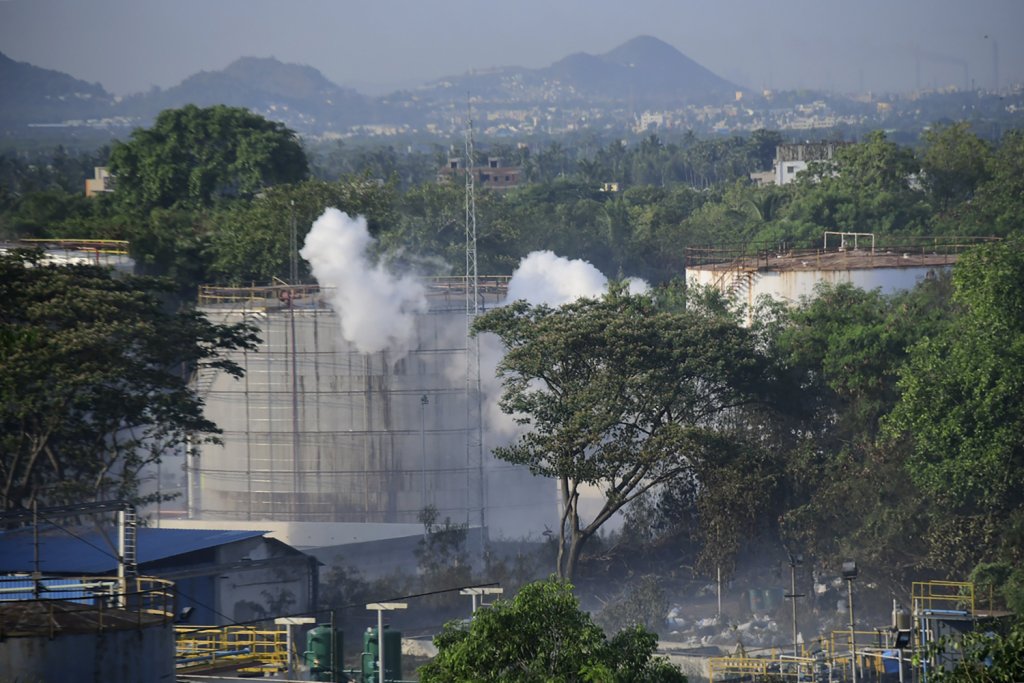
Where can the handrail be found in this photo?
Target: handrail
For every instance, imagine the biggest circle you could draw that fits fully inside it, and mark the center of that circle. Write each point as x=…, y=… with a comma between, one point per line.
x=32, y=606
x=756, y=254
x=282, y=294
x=260, y=648
x=110, y=247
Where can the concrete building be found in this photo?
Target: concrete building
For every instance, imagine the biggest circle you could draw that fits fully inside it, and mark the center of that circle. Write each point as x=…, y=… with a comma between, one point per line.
x=496, y=175
x=101, y=182
x=792, y=159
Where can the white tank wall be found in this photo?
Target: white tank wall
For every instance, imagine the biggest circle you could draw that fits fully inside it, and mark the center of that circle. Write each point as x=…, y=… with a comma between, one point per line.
x=367, y=448
x=138, y=655
x=792, y=285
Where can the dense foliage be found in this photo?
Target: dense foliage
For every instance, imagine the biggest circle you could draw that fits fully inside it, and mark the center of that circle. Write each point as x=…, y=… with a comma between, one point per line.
x=900, y=443
x=622, y=393
x=94, y=380
x=194, y=155
x=542, y=635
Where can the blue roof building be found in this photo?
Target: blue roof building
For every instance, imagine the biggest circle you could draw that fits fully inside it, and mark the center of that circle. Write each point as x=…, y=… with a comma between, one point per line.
x=224, y=576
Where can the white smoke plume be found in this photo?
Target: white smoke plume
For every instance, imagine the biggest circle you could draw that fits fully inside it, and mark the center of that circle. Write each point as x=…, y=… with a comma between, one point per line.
x=544, y=278
x=377, y=308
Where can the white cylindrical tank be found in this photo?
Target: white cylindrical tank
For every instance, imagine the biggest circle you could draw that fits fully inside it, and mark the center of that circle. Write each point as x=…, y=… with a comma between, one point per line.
x=791, y=277
x=318, y=431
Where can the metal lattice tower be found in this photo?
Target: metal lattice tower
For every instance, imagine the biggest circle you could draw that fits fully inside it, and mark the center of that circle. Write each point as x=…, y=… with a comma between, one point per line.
x=474, y=416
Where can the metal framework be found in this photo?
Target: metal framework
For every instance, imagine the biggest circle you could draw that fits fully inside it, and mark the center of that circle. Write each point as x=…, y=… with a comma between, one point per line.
x=474, y=414
x=54, y=605
x=352, y=427
x=244, y=648
x=935, y=604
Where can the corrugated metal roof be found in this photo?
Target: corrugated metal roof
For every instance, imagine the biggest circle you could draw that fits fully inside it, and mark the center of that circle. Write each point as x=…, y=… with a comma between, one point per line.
x=91, y=553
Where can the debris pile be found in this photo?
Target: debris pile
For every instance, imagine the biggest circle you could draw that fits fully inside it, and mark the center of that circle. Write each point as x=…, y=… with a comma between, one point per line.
x=758, y=631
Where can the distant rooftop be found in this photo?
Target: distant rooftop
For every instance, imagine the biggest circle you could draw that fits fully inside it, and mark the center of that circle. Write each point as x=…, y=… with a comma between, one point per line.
x=92, y=553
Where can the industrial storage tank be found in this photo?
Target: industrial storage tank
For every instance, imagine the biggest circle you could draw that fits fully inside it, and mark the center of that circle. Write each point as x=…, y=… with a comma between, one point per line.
x=790, y=274
x=319, y=431
x=85, y=629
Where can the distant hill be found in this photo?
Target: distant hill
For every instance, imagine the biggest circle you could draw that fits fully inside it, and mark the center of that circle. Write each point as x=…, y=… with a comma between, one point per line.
x=641, y=73
x=654, y=71
x=33, y=95
x=298, y=96
x=644, y=71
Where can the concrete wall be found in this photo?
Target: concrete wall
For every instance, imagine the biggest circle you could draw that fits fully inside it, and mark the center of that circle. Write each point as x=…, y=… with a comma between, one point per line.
x=256, y=578
x=144, y=655
x=287, y=583
x=302, y=535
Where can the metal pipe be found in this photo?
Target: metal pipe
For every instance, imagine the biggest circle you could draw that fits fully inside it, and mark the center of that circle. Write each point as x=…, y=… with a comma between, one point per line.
x=793, y=596
x=121, y=543
x=423, y=448
x=719, y=592
x=853, y=647
x=380, y=646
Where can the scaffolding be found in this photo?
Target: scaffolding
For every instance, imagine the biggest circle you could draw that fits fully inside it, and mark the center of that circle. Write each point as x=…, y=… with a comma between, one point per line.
x=318, y=431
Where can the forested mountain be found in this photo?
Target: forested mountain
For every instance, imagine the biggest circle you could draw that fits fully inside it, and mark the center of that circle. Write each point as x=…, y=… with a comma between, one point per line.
x=43, y=96
x=296, y=95
x=644, y=69
x=642, y=72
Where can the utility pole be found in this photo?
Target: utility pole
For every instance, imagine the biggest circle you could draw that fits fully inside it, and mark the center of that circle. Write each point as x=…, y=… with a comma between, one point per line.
x=293, y=271
x=850, y=573
x=474, y=414
x=794, y=560
x=423, y=447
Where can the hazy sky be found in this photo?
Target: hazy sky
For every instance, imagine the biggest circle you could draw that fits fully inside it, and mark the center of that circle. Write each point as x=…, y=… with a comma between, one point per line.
x=847, y=45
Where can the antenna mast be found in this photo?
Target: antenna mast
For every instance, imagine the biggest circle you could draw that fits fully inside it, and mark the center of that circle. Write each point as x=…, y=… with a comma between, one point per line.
x=474, y=417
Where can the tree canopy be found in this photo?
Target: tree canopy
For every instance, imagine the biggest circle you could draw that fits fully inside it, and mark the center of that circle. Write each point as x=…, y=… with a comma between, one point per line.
x=961, y=400
x=542, y=636
x=94, y=379
x=195, y=155
x=621, y=393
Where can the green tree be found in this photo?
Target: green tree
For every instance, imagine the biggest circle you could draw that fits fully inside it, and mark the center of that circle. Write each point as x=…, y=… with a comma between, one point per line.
x=251, y=241
x=989, y=656
x=843, y=492
x=197, y=155
x=621, y=393
x=542, y=636
x=955, y=162
x=94, y=380
x=961, y=401
x=996, y=208
x=868, y=188
x=50, y=213
x=441, y=553
x=644, y=603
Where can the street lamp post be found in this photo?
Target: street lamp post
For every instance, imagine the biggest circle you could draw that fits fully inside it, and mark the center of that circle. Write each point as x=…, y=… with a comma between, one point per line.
x=480, y=592
x=794, y=560
x=424, y=401
x=850, y=573
x=382, y=607
x=288, y=622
